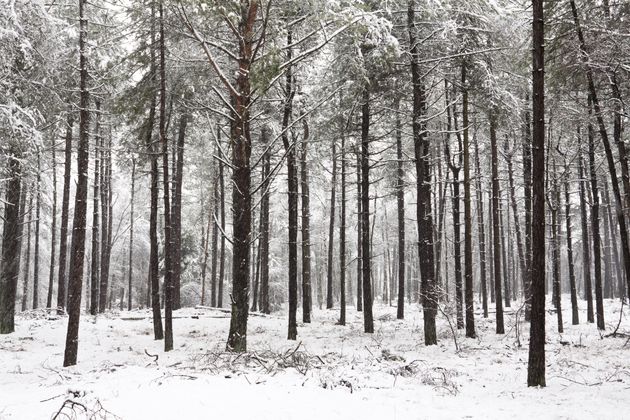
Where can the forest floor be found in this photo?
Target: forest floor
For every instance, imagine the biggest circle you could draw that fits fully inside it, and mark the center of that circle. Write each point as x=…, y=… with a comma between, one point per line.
x=331, y=372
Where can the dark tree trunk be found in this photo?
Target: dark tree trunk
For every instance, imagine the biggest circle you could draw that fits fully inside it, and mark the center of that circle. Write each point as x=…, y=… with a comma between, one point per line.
x=65, y=210
x=53, y=227
x=517, y=225
x=307, y=300
x=366, y=262
x=536, y=362
x=176, y=211
x=555, y=249
x=264, y=226
x=168, y=233
x=496, y=230
x=106, y=222
x=77, y=253
x=97, y=285
x=222, y=252
x=342, y=231
x=527, y=191
x=331, y=229
x=586, y=244
x=468, y=232
x=38, y=211
x=152, y=149
x=10, y=263
x=27, y=262
x=292, y=192
x=359, y=235
x=482, y=234
x=423, y=187
x=504, y=256
x=400, y=202
x=455, y=168
x=131, y=226
x=597, y=258
x=575, y=317
x=241, y=181
x=608, y=280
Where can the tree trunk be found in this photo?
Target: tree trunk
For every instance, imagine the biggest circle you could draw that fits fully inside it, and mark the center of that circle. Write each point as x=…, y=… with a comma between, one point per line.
x=53, y=227
x=307, y=299
x=455, y=168
x=527, y=191
x=423, y=187
x=468, y=232
x=27, y=265
x=97, y=300
x=608, y=280
x=482, y=234
x=222, y=252
x=241, y=181
x=496, y=230
x=366, y=262
x=586, y=252
x=400, y=202
x=176, y=211
x=555, y=249
x=77, y=254
x=331, y=229
x=131, y=226
x=292, y=192
x=359, y=235
x=342, y=231
x=536, y=362
x=575, y=317
x=65, y=210
x=152, y=149
x=168, y=233
x=595, y=227
x=264, y=225
x=10, y=263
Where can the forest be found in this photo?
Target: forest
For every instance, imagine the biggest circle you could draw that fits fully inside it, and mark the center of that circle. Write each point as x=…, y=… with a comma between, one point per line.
x=321, y=209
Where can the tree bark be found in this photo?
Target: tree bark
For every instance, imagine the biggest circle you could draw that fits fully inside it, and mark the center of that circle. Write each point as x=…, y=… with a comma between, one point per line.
x=482, y=234
x=307, y=299
x=536, y=362
x=65, y=211
x=468, y=232
x=168, y=233
x=176, y=210
x=366, y=262
x=10, y=262
x=27, y=265
x=575, y=317
x=241, y=181
x=292, y=191
x=423, y=187
x=342, y=231
x=359, y=235
x=586, y=247
x=599, y=305
x=264, y=225
x=97, y=300
x=496, y=230
x=331, y=229
x=77, y=254
x=400, y=202
x=152, y=149
x=53, y=227
x=131, y=227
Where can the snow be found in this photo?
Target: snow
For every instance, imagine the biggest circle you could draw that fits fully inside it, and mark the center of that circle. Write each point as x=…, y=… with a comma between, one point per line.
x=331, y=372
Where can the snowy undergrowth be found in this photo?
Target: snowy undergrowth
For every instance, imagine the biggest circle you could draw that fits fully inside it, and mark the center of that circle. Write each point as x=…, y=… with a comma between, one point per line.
x=331, y=372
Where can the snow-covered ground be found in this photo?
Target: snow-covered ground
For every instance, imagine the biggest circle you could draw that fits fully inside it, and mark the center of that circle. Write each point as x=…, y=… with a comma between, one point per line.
x=331, y=372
